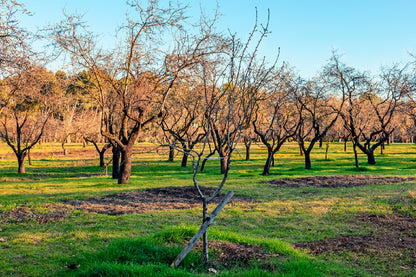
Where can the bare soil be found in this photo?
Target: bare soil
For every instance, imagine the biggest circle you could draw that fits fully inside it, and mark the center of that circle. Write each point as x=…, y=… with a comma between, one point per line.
x=337, y=181
x=23, y=213
x=229, y=254
x=393, y=234
x=41, y=177
x=149, y=200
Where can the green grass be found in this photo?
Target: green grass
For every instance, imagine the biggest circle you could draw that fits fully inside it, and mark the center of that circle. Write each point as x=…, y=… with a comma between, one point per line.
x=90, y=244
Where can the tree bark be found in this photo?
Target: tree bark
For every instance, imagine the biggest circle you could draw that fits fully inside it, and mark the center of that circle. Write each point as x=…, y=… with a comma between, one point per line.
x=64, y=148
x=308, y=164
x=370, y=156
x=345, y=145
x=248, y=145
x=326, y=150
x=300, y=150
x=223, y=161
x=29, y=157
x=125, y=164
x=266, y=170
x=354, y=147
x=102, y=163
x=205, y=235
x=171, y=153
x=184, y=159
x=21, y=163
x=116, y=162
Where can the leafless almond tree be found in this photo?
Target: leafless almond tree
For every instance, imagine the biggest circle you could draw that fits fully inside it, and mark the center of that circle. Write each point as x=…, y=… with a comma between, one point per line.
x=370, y=103
x=30, y=105
x=232, y=81
x=275, y=115
x=318, y=110
x=14, y=46
x=184, y=116
x=140, y=73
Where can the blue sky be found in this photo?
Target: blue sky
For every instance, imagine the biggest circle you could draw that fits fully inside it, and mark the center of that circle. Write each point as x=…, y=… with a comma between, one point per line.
x=367, y=33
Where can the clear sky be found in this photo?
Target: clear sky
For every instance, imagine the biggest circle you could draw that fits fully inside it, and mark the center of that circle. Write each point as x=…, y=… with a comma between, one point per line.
x=368, y=33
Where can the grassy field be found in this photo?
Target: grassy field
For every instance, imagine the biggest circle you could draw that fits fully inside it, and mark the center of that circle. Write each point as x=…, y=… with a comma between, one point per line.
x=41, y=236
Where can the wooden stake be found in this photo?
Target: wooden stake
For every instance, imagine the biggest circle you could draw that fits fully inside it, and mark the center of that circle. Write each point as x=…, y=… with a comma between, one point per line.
x=202, y=230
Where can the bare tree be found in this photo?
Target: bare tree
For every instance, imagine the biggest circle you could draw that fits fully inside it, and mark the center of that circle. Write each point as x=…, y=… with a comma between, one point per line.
x=140, y=73
x=370, y=105
x=14, y=47
x=409, y=109
x=23, y=119
x=68, y=119
x=318, y=111
x=352, y=84
x=383, y=98
x=249, y=136
x=230, y=90
x=275, y=118
x=90, y=131
x=184, y=115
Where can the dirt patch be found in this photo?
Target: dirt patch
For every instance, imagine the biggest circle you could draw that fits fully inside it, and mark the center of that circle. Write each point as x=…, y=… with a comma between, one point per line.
x=20, y=179
x=42, y=177
x=149, y=200
x=22, y=214
x=394, y=233
x=337, y=181
x=229, y=254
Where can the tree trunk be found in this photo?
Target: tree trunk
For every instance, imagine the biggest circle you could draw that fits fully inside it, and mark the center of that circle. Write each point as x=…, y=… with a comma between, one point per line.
x=248, y=144
x=354, y=147
x=125, y=165
x=101, y=153
x=345, y=145
x=21, y=163
x=266, y=170
x=29, y=157
x=205, y=235
x=171, y=153
x=370, y=156
x=116, y=162
x=300, y=150
x=321, y=142
x=223, y=161
x=326, y=150
x=184, y=159
x=308, y=164
x=64, y=148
